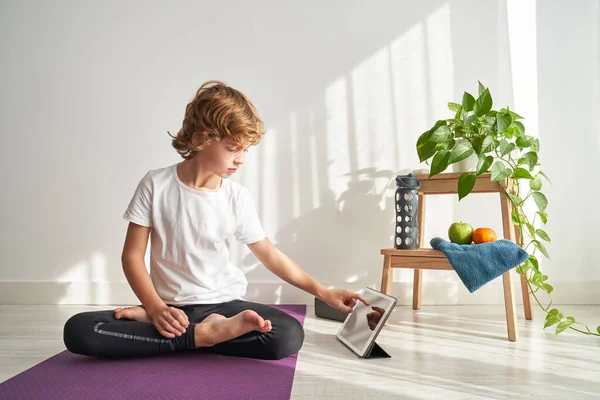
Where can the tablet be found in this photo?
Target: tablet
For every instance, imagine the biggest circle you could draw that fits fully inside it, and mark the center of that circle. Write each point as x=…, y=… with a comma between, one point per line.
x=363, y=324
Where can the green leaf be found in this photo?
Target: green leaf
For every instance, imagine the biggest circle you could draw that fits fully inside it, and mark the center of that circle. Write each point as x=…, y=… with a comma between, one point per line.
x=469, y=120
x=565, y=324
x=525, y=141
x=439, y=162
x=541, y=248
x=441, y=135
x=483, y=145
x=477, y=141
x=522, y=173
x=509, y=133
x=459, y=113
x=447, y=145
x=531, y=229
x=468, y=101
x=483, y=104
x=423, y=139
x=543, y=217
x=534, y=263
x=455, y=121
x=532, y=159
x=536, y=146
x=516, y=200
x=503, y=121
x=547, y=287
x=540, y=200
x=488, y=123
x=506, y=147
x=520, y=128
x=438, y=123
x=545, y=176
x=466, y=183
x=468, y=129
x=538, y=277
x=536, y=184
x=454, y=106
x=553, y=317
x=515, y=115
x=500, y=171
x=426, y=151
x=598, y=328
x=481, y=88
x=543, y=235
x=483, y=164
x=488, y=144
x=460, y=152
x=521, y=269
x=517, y=218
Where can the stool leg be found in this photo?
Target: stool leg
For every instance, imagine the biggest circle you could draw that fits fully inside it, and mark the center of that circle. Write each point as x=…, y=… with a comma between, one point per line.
x=417, y=289
x=387, y=274
x=509, y=298
x=419, y=273
x=509, y=304
x=524, y=287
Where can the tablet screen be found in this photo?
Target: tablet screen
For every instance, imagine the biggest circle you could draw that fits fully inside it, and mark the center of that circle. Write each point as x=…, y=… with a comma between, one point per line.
x=365, y=320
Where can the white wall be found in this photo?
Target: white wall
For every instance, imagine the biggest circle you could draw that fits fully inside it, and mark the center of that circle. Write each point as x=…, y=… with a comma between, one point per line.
x=89, y=90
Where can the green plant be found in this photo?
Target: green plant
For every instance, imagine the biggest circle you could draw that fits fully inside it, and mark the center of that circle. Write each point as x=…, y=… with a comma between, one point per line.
x=503, y=149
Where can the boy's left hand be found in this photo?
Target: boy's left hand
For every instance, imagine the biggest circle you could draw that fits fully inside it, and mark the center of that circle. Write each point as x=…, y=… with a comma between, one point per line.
x=342, y=299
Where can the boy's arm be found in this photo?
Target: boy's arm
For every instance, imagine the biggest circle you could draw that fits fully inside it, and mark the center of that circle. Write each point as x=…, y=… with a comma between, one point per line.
x=134, y=267
x=169, y=321
x=282, y=266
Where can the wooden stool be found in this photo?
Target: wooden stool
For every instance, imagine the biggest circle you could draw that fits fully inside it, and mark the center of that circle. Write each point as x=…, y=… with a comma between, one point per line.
x=422, y=258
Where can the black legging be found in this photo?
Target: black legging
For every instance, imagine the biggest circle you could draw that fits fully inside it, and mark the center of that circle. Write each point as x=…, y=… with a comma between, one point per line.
x=100, y=334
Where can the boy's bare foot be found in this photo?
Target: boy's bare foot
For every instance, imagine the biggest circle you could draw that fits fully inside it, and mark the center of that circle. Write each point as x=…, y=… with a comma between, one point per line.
x=216, y=328
x=135, y=313
x=213, y=317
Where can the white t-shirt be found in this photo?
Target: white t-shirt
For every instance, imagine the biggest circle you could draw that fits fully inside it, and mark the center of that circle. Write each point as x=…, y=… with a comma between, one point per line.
x=189, y=255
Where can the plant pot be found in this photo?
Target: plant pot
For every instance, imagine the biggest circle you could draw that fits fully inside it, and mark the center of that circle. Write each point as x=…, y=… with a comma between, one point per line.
x=466, y=165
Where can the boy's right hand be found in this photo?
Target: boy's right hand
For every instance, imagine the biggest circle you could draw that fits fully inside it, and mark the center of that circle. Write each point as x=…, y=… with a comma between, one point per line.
x=169, y=321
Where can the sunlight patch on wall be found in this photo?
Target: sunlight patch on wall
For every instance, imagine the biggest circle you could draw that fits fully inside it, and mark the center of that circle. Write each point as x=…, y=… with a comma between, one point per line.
x=440, y=61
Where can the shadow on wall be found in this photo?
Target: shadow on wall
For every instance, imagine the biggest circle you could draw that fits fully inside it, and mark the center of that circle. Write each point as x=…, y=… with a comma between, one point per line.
x=343, y=236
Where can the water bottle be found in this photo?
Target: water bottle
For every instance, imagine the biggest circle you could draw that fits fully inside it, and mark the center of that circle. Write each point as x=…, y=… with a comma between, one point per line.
x=407, y=206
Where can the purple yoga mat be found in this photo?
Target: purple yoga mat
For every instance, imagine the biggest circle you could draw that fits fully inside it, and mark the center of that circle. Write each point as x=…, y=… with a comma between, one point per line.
x=176, y=376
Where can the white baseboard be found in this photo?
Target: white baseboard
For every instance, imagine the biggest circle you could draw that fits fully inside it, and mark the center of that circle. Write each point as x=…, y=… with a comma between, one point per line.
x=434, y=293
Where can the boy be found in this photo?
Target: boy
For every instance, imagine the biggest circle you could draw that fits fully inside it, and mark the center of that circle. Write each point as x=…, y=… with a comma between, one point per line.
x=192, y=299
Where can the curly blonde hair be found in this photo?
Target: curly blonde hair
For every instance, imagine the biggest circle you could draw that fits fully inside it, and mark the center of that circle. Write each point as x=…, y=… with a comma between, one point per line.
x=217, y=112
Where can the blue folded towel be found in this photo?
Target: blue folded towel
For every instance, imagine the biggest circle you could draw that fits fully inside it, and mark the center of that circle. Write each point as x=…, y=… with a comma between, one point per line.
x=477, y=264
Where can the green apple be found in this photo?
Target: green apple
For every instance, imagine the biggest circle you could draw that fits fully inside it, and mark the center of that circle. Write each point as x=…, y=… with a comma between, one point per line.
x=460, y=233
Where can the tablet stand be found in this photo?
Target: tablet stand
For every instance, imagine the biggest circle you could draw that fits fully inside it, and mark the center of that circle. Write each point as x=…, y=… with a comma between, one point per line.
x=377, y=352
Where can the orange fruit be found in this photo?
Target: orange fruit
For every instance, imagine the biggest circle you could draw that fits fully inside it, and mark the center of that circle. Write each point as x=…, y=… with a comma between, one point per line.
x=484, y=235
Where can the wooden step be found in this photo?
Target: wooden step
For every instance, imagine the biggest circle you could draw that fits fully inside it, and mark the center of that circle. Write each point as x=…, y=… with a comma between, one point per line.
x=413, y=253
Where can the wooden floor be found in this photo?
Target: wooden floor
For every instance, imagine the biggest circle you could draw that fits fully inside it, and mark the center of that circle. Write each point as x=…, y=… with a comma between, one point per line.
x=452, y=352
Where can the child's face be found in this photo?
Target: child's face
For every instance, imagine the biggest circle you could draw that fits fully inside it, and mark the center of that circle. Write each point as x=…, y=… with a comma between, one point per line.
x=224, y=157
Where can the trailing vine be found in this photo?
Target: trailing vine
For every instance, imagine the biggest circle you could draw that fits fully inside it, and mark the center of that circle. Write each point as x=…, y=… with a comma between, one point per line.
x=498, y=140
